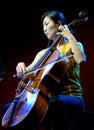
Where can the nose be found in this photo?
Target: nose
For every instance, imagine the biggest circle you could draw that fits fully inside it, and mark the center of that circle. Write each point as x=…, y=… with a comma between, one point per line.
x=44, y=29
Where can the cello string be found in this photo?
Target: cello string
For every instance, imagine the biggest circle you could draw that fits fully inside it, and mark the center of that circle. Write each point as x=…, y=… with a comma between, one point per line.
x=44, y=66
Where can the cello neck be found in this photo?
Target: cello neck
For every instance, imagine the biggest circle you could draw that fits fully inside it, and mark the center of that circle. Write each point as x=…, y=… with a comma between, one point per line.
x=48, y=52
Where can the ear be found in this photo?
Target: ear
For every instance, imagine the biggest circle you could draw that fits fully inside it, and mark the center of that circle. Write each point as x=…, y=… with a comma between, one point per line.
x=60, y=23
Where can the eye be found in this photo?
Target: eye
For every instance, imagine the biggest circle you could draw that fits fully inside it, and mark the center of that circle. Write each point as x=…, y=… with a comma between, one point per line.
x=46, y=23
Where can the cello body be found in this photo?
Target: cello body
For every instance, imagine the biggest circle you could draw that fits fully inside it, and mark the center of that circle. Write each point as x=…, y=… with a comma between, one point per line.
x=34, y=98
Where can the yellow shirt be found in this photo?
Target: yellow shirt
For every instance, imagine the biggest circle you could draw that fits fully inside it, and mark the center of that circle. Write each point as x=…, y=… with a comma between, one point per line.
x=70, y=84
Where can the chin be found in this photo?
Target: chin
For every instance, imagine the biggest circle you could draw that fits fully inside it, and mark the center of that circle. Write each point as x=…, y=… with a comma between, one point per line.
x=50, y=37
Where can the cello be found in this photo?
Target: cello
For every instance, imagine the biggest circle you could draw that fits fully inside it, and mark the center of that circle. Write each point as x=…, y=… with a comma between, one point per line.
x=34, y=97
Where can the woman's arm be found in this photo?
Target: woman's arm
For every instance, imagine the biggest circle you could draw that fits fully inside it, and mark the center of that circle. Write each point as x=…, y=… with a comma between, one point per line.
x=76, y=47
x=21, y=68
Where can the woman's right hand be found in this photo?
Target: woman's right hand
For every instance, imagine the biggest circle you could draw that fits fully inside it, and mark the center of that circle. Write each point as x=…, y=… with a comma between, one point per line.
x=21, y=69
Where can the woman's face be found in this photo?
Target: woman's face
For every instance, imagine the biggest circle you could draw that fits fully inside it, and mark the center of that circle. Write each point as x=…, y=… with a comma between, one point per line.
x=50, y=28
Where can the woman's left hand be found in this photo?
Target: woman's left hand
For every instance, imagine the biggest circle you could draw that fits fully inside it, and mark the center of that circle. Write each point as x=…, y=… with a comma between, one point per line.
x=64, y=31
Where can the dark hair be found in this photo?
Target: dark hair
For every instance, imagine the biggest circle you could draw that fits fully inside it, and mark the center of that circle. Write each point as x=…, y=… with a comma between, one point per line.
x=55, y=16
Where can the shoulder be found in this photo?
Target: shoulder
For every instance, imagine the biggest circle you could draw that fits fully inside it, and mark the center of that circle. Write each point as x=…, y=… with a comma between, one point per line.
x=40, y=54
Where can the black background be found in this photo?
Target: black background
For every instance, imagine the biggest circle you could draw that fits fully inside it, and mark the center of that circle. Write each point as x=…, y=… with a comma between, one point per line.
x=22, y=38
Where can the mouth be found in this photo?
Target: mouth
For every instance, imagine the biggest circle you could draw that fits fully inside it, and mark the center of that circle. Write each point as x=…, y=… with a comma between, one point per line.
x=46, y=34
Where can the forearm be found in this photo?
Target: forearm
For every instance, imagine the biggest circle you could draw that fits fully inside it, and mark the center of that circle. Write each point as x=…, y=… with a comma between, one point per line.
x=76, y=47
x=77, y=50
